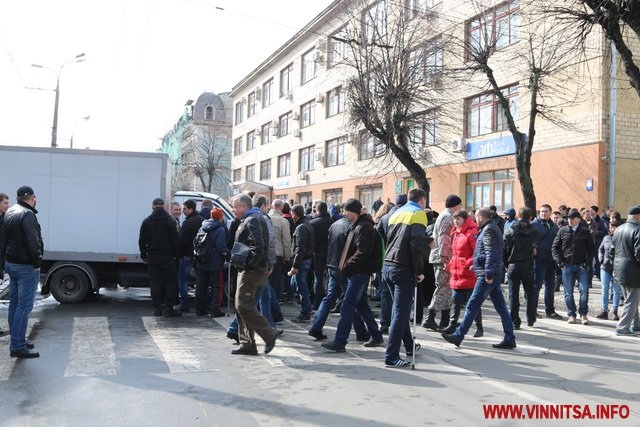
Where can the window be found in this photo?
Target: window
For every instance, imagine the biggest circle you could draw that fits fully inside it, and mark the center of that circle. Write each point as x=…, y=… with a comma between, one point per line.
x=374, y=21
x=239, y=112
x=495, y=29
x=267, y=91
x=286, y=80
x=308, y=66
x=490, y=188
x=237, y=175
x=335, y=151
x=208, y=112
x=333, y=195
x=304, y=198
x=368, y=193
x=426, y=130
x=433, y=57
x=284, y=165
x=418, y=7
x=250, y=173
x=251, y=104
x=283, y=197
x=370, y=147
x=285, y=124
x=265, y=133
x=307, y=114
x=337, y=101
x=265, y=169
x=306, y=158
x=484, y=114
x=337, y=49
x=251, y=140
x=237, y=146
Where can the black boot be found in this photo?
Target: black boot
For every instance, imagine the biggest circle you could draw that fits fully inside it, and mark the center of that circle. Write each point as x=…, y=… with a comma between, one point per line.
x=444, y=318
x=430, y=322
x=479, y=330
x=453, y=319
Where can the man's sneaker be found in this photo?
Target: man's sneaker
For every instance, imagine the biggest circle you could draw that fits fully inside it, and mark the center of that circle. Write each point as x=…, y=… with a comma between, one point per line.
x=553, y=315
x=3, y=332
x=571, y=320
x=409, y=352
x=504, y=345
x=25, y=354
x=302, y=319
x=624, y=333
x=373, y=342
x=603, y=315
x=453, y=339
x=585, y=320
x=363, y=338
x=248, y=351
x=479, y=332
x=318, y=335
x=334, y=346
x=400, y=363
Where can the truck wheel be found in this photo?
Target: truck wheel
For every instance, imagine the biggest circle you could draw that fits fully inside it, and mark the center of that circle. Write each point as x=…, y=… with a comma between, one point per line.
x=69, y=285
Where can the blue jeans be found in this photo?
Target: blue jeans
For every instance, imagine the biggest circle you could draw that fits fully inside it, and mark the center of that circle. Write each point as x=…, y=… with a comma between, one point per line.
x=386, y=302
x=301, y=282
x=480, y=293
x=545, y=271
x=319, y=267
x=355, y=304
x=569, y=275
x=22, y=290
x=403, y=282
x=186, y=263
x=276, y=311
x=607, y=282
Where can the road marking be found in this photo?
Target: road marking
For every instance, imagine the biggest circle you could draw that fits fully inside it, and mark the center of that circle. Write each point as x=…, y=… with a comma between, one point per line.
x=327, y=327
x=183, y=347
x=92, y=349
x=7, y=362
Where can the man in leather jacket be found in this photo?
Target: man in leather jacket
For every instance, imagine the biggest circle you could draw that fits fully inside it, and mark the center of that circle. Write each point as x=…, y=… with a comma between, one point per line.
x=302, y=258
x=23, y=254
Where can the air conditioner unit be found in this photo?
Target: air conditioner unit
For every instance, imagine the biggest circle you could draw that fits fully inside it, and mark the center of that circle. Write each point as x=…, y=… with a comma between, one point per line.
x=258, y=92
x=320, y=98
x=350, y=137
x=274, y=128
x=296, y=116
x=459, y=145
x=303, y=175
x=258, y=131
x=426, y=154
x=244, y=100
x=318, y=156
x=290, y=96
x=297, y=133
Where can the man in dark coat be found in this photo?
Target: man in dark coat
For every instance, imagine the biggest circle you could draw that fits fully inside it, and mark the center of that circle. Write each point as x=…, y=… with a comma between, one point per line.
x=320, y=223
x=188, y=231
x=545, y=268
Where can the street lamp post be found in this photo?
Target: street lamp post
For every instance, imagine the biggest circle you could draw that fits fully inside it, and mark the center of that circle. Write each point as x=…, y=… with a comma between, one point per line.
x=54, y=127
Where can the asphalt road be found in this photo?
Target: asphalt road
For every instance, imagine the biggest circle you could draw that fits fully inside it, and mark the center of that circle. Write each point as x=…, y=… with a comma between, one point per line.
x=108, y=362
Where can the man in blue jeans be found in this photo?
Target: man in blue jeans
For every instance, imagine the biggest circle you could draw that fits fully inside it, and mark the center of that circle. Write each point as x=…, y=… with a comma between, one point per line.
x=545, y=267
x=302, y=253
x=357, y=265
x=573, y=250
x=489, y=268
x=404, y=267
x=23, y=254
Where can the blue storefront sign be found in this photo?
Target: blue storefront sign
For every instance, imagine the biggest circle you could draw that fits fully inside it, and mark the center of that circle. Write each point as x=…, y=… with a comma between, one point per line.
x=494, y=147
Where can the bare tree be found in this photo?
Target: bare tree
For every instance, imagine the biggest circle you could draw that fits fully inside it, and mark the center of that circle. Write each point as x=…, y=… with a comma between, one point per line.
x=393, y=55
x=207, y=155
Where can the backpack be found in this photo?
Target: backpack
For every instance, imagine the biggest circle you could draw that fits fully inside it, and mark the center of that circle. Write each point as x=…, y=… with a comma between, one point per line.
x=202, y=250
x=378, y=254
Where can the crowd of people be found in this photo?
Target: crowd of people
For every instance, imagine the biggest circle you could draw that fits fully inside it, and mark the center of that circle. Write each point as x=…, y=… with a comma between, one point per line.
x=449, y=262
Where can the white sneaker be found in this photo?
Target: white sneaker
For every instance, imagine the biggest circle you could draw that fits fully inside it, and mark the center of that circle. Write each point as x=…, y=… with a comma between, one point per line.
x=584, y=319
x=571, y=320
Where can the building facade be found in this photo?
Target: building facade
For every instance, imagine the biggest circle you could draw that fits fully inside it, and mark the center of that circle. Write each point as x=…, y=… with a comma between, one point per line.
x=292, y=138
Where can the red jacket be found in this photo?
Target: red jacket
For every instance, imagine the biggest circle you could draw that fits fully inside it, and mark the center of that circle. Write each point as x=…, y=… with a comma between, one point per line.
x=464, y=242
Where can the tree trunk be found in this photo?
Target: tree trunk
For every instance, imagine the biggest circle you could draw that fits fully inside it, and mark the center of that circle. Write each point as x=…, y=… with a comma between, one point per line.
x=416, y=170
x=523, y=165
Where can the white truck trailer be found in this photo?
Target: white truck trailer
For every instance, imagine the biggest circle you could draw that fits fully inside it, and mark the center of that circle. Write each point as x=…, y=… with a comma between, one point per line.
x=91, y=204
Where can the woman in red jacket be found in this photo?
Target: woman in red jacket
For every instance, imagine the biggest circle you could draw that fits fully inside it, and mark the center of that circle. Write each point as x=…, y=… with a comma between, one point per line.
x=463, y=279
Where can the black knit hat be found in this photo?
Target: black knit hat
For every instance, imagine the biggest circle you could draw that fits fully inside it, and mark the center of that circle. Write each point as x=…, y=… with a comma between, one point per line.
x=353, y=205
x=452, y=201
x=635, y=210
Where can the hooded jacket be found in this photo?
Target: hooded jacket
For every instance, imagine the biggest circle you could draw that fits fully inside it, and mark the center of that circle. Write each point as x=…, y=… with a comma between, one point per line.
x=547, y=231
x=521, y=240
x=282, y=233
x=188, y=231
x=487, y=256
x=625, y=254
x=358, y=251
x=462, y=246
x=217, y=241
x=303, y=243
x=23, y=240
x=159, y=235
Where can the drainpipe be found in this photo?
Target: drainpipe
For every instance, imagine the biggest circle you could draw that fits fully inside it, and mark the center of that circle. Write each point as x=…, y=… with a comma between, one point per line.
x=612, y=126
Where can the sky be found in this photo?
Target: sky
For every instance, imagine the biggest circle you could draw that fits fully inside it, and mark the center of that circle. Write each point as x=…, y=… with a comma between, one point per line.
x=143, y=60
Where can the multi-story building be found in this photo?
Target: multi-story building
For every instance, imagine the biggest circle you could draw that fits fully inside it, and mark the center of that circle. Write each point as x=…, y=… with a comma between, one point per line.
x=292, y=139
x=199, y=145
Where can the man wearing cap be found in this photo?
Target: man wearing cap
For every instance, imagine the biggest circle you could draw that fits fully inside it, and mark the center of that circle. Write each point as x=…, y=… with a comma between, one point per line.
x=23, y=254
x=159, y=249
x=625, y=255
x=573, y=250
x=440, y=257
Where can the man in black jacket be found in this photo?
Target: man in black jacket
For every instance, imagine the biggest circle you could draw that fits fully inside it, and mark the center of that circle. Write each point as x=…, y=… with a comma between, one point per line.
x=545, y=267
x=573, y=250
x=254, y=233
x=159, y=249
x=320, y=223
x=302, y=256
x=356, y=264
x=520, y=246
x=23, y=255
x=625, y=255
x=188, y=231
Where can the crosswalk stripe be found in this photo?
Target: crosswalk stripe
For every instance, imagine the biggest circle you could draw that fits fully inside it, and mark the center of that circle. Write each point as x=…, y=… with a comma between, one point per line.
x=7, y=363
x=92, y=349
x=184, y=348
